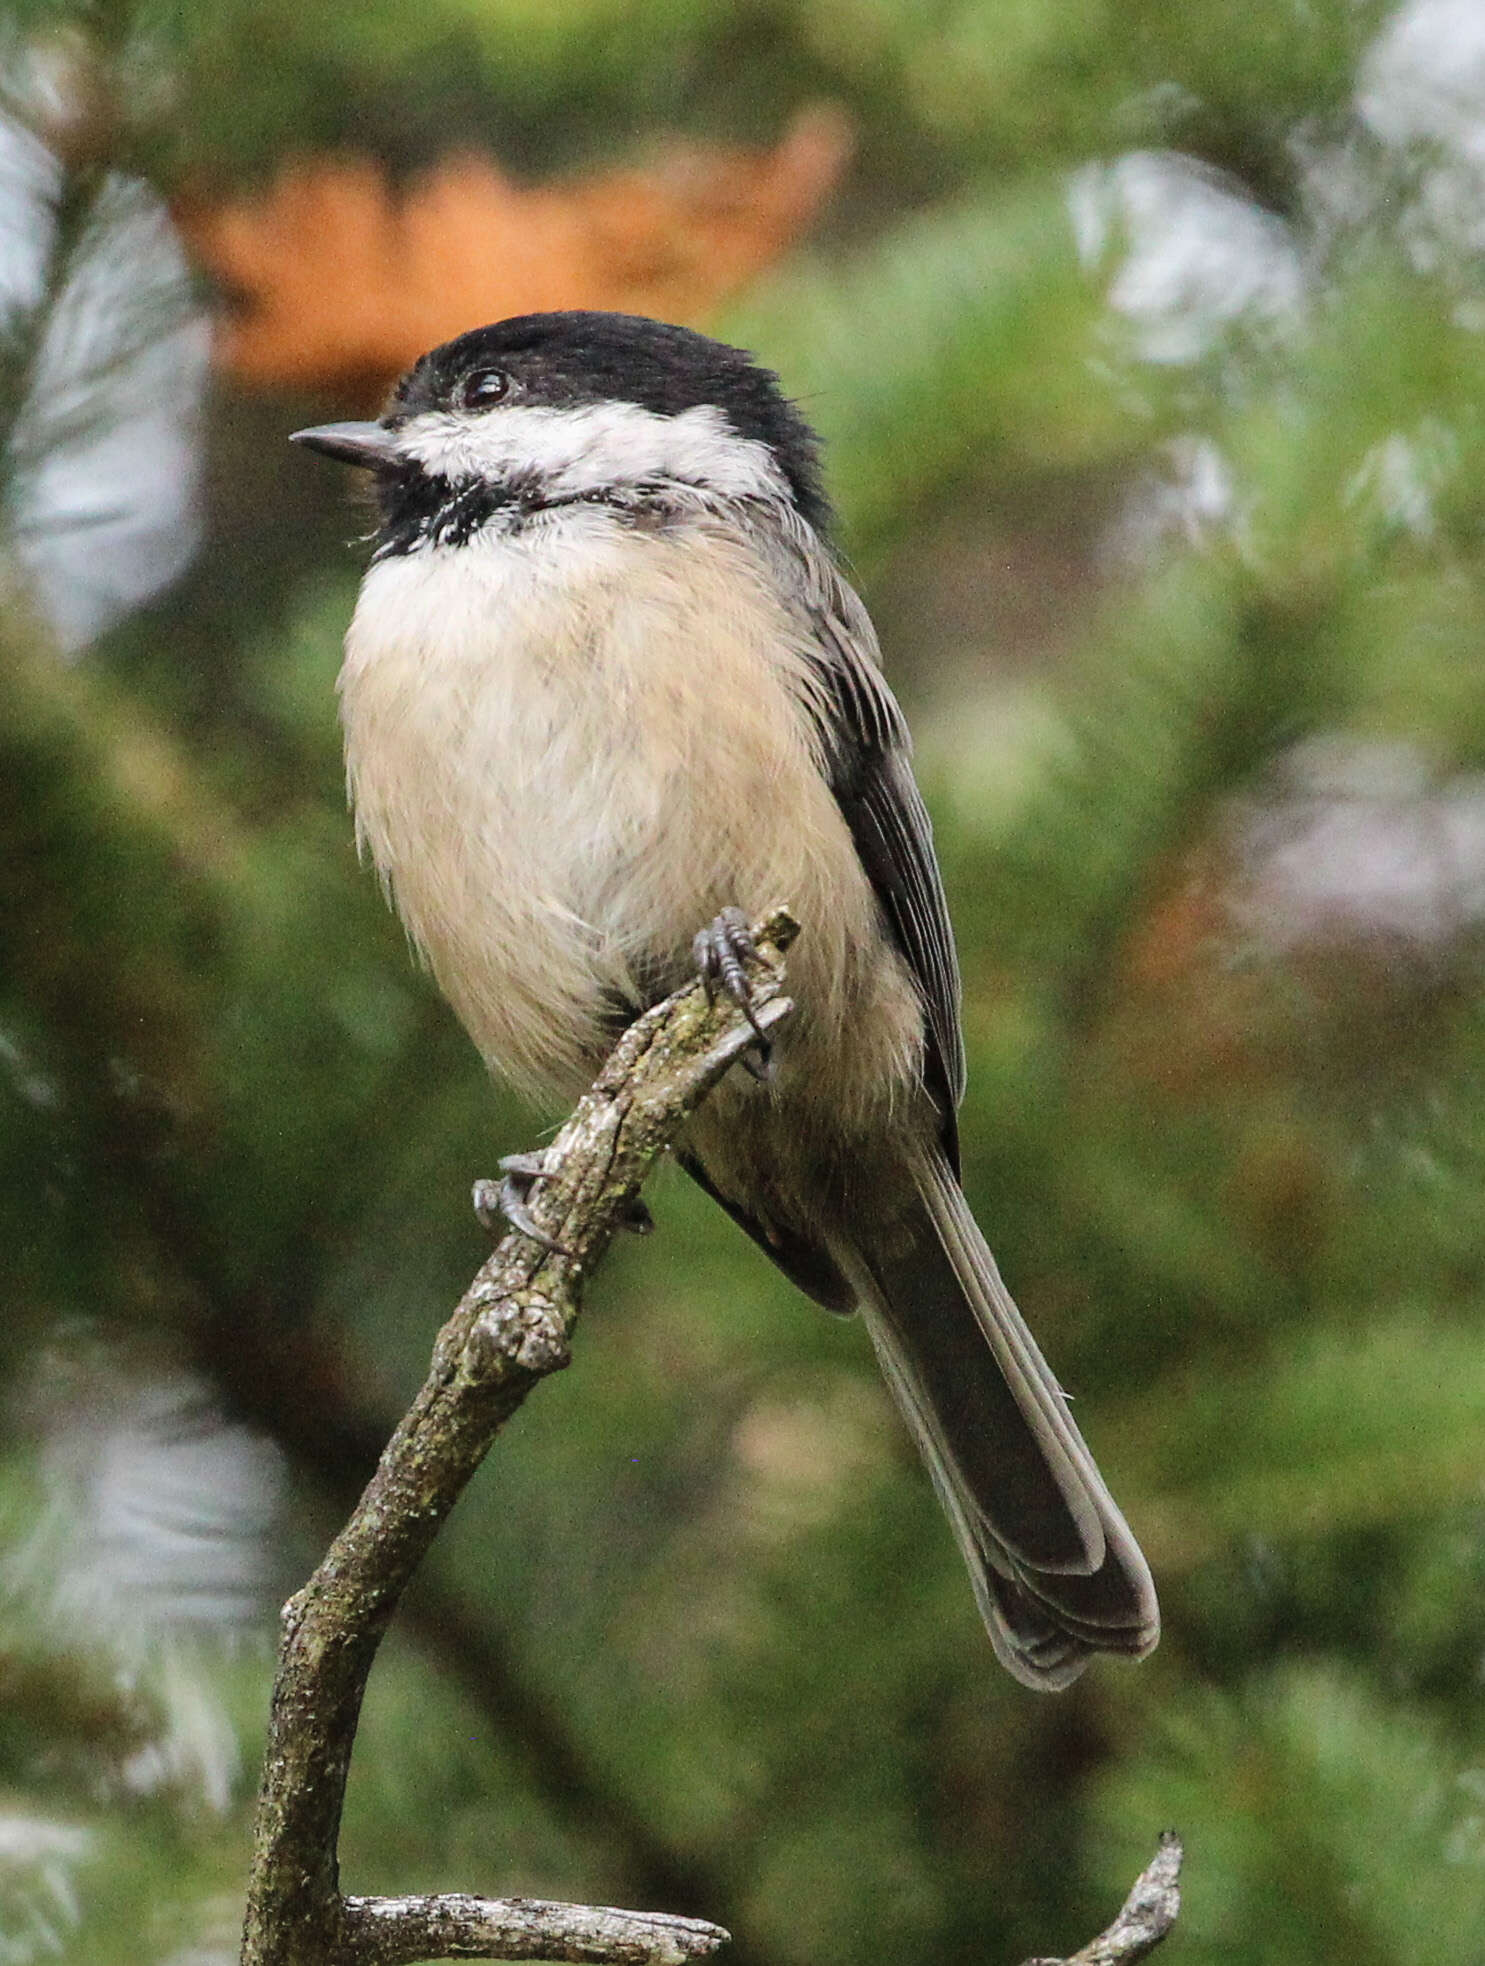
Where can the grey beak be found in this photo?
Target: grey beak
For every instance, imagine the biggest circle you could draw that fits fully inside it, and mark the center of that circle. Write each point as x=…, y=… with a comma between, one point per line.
x=371, y=445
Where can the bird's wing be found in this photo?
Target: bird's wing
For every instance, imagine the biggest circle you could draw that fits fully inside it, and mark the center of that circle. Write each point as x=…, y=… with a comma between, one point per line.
x=867, y=752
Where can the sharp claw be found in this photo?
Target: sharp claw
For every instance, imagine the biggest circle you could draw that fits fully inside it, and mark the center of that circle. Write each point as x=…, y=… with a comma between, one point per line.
x=759, y=1063
x=513, y=1208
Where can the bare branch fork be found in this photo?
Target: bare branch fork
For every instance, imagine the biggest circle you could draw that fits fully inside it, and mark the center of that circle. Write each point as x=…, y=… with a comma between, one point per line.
x=510, y=1330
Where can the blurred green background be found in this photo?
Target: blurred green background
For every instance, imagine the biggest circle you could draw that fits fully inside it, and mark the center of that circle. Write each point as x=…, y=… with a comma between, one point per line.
x=1147, y=342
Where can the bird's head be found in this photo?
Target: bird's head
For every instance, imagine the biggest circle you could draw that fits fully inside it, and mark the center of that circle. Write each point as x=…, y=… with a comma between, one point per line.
x=549, y=410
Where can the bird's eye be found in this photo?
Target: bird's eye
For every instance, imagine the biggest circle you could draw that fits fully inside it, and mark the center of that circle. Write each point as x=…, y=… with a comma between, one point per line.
x=483, y=387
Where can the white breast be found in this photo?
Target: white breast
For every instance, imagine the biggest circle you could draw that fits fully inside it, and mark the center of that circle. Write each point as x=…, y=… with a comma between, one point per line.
x=564, y=762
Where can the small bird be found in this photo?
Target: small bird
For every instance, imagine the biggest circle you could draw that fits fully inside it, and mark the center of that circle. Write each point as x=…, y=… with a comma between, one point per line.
x=607, y=697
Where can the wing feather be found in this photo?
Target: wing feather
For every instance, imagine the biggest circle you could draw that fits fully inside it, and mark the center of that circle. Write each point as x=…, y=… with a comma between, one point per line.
x=868, y=752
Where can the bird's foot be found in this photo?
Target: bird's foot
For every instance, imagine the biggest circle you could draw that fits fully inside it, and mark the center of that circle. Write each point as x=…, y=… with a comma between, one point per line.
x=724, y=950
x=507, y=1201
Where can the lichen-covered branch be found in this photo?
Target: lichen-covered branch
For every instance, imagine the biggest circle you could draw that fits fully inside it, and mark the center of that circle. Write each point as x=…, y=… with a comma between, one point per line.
x=400, y=1931
x=510, y=1330
x=1147, y=1914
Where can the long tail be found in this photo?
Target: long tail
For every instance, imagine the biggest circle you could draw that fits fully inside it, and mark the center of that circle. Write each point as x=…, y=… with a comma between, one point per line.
x=1056, y=1572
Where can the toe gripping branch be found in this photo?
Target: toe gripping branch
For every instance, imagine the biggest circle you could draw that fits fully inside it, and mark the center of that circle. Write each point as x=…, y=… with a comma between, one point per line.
x=724, y=951
x=508, y=1202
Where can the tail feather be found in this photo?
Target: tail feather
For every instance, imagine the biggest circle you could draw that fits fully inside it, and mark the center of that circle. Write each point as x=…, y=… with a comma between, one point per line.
x=1056, y=1572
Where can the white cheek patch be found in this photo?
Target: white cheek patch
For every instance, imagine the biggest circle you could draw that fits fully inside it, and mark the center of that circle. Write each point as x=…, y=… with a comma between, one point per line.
x=592, y=448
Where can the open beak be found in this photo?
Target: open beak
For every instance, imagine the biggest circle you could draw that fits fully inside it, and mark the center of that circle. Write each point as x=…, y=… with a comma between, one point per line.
x=370, y=445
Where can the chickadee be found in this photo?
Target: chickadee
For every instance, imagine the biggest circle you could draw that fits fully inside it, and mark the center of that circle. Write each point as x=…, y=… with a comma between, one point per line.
x=607, y=697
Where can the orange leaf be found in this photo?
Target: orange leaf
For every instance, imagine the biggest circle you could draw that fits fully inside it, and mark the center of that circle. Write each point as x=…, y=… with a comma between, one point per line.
x=339, y=281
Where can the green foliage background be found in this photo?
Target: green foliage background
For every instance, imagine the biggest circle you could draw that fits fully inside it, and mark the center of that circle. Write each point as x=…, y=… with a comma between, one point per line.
x=698, y=1637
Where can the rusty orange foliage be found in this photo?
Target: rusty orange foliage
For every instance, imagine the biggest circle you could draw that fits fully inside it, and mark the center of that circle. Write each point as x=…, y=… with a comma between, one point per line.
x=339, y=280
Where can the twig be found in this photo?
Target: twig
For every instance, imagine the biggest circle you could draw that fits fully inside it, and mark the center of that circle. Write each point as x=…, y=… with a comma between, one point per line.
x=399, y=1931
x=1147, y=1915
x=510, y=1330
